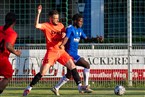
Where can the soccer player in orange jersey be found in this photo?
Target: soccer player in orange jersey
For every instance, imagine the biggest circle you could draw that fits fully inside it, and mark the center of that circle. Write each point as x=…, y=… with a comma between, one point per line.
x=54, y=34
x=7, y=40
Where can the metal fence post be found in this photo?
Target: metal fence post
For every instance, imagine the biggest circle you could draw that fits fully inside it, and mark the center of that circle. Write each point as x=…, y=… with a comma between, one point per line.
x=66, y=13
x=129, y=32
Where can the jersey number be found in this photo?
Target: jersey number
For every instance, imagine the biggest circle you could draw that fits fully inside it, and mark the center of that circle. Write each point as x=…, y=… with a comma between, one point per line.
x=2, y=43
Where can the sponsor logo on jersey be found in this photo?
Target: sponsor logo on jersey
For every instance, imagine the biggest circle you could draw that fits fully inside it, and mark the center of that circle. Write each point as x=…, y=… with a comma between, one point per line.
x=76, y=39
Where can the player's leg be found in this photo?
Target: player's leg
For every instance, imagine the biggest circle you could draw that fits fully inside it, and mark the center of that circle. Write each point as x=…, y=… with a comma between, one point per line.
x=66, y=60
x=6, y=71
x=70, y=65
x=82, y=62
x=3, y=83
x=43, y=69
x=62, y=81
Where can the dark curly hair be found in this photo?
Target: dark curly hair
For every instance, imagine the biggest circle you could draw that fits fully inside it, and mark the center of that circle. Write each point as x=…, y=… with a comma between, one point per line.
x=77, y=17
x=10, y=18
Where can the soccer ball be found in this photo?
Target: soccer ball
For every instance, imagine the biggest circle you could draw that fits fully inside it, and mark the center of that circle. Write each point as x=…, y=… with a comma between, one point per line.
x=119, y=90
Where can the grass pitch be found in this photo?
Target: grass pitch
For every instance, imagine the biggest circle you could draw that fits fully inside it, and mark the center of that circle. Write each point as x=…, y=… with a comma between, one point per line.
x=45, y=92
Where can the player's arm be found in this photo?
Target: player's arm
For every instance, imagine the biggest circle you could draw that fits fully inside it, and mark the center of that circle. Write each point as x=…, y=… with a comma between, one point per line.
x=68, y=33
x=63, y=32
x=63, y=42
x=37, y=24
x=84, y=35
x=12, y=50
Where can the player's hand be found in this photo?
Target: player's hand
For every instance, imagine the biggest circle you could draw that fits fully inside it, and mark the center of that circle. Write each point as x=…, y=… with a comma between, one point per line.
x=63, y=35
x=39, y=9
x=18, y=53
x=61, y=47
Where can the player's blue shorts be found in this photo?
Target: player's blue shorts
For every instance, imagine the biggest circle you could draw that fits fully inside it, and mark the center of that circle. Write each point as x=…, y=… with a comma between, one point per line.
x=75, y=58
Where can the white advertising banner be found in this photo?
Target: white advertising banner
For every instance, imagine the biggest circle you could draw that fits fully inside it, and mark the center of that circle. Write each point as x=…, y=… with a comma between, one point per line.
x=105, y=64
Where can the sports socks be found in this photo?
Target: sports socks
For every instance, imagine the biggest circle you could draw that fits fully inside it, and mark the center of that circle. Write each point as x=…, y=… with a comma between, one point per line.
x=62, y=81
x=36, y=79
x=29, y=88
x=86, y=76
x=76, y=76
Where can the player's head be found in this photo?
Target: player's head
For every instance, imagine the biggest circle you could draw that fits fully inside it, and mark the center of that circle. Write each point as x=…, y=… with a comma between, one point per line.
x=10, y=19
x=54, y=17
x=78, y=20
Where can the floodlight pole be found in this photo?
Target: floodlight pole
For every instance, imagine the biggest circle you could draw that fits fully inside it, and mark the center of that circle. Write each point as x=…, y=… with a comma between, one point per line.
x=129, y=38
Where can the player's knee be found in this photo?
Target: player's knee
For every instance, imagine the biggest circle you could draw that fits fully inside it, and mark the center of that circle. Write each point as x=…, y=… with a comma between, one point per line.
x=7, y=79
x=87, y=65
x=1, y=91
x=70, y=65
x=42, y=72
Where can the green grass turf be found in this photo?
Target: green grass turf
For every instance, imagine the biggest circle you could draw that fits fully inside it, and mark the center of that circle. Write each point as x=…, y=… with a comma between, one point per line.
x=45, y=92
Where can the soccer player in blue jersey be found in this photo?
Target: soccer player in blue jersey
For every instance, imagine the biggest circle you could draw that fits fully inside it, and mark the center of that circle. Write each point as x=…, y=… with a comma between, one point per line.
x=71, y=41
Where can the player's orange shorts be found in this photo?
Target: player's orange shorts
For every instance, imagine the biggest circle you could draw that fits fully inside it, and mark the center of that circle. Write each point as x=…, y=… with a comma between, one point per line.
x=6, y=69
x=52, y=56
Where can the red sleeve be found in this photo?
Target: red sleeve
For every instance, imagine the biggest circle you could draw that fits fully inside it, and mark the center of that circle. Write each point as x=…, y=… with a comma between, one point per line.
x=11, y=38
